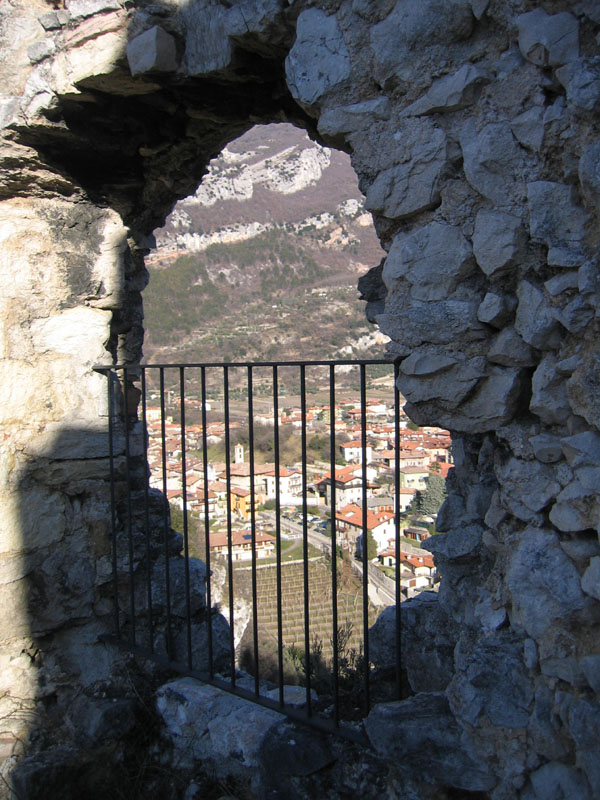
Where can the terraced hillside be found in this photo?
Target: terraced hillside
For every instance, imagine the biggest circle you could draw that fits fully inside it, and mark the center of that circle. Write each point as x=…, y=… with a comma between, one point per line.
x=349, y=605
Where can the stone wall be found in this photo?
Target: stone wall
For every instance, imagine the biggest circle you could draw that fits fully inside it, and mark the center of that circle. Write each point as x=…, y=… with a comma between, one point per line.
x=472, y=125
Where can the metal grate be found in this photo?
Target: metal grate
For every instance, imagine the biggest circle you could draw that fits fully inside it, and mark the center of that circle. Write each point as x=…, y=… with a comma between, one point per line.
x=160, y=609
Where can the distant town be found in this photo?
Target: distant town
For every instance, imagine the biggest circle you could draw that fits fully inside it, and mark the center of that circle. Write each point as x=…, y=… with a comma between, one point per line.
x=424, y=460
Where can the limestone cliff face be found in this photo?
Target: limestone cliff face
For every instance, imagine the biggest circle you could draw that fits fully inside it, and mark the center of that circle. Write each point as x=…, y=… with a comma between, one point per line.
x=472, y=126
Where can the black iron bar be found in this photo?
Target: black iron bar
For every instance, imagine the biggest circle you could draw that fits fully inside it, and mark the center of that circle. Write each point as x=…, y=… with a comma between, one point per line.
x=270, y=364
x=147, y=515
x=129, y=505
x=112, y=379
x=186, y=543
x=365, y=537
x=206, y=525
x=307, y=662
x=229, y=524
x=334, y=608
x=163, y=437
x=253, y=528
x=278, y=533
x=397, y=544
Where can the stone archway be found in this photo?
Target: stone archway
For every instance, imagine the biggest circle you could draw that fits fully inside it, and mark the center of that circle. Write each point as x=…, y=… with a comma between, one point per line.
x=471, y=125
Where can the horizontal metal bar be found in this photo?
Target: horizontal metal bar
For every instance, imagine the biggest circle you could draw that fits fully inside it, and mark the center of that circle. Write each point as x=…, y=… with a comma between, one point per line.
x=318, y=723
x=246, y=364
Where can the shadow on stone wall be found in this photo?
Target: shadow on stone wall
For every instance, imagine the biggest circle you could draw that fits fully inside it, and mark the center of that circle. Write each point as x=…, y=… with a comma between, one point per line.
x=78, y=714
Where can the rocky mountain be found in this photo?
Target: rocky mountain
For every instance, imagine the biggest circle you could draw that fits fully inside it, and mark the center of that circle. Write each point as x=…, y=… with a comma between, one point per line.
x=245, y=268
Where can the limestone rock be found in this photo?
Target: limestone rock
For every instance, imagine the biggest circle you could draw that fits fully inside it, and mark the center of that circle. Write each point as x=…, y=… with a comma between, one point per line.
x=429, y=323
x=491, y=680
x=450, y=92
x=534, y=319
x=452, y=384
x=422, y=733
x=528, y=128
x=583, y=391
x=577, y=507
x=457, y=544
x=547, y=448
x=536, y=602
x=495, y=241
x=78, y=9
x=434, y=260
x=510, y=350
x=319, y=59
x=526, y=487
x=582, y=450
x=559, y=780
x=204, y=723
x=591, y=668
x=346, y=119
x=548, y=40
x=152, y=51
x=555, y=218
x=411, y=185
x=562, y=283
x=581, y=80
x=590, y=582
x=549, y=393
x=495, y=309
x=576, y=315
x=409, y=28
x=426, y=362
x=488, y=156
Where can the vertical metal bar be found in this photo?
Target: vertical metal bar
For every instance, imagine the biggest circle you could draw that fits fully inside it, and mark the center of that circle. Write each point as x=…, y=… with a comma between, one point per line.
x=186, y=544
x=147, y=515
x=365, y=554
x=229, y=528
x=334, y=609
x=129, y=505
x=253, y=528
x=111, y=380
x=397, y=531
x=307, y=662
x=163, y=436
x=278, y=533
x=206, y=526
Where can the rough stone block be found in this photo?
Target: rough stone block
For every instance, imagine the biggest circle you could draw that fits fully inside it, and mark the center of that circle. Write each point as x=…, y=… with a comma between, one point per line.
x=434, y=260
x=581, y=80
x=496, y=241
x=422, y=732
x=495, y=309
x=492, y=161
x=548, y=40
x=450, y=92
x=534, y=319
x=510, y=350
x=538, y=603
x=203, y=722
x=413, y=26
x=346, y=119
x=526, y=487
x=319, y=59
x=411, y=185
x=559, y=780
x=152, y=51
x=547, y=448
x=528, y=128
x=549, y=393
x=78, y=9
x=554, y=217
